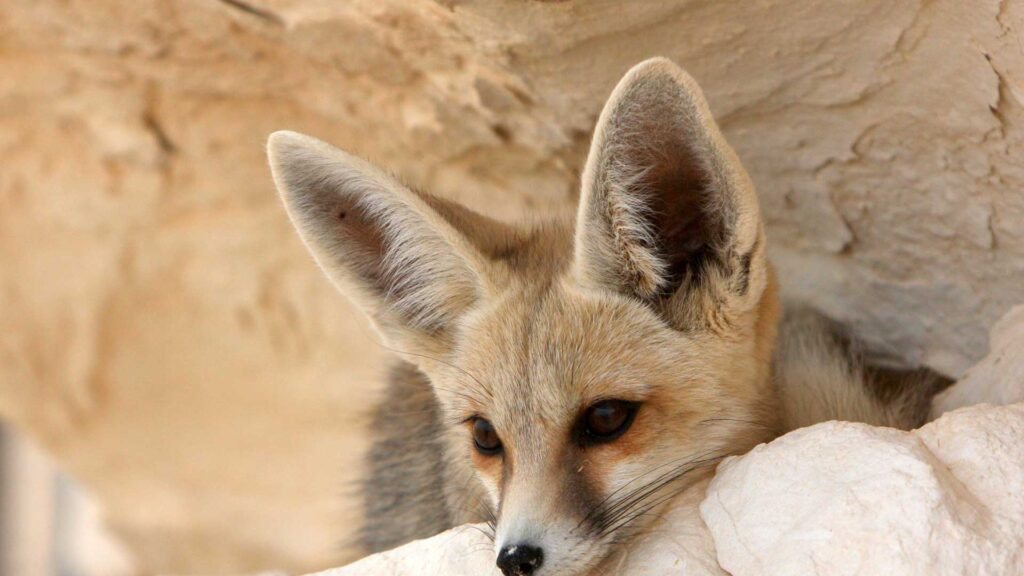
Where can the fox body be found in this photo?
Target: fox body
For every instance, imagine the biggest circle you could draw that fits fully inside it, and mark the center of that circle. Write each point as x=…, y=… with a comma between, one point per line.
x=564, y=380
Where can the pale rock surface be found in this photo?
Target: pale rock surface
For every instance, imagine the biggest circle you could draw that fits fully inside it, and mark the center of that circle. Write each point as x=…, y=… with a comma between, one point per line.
x=999, y=378
x=461, y=551
x=842, y=498
x=168, y=340
x=837, y=498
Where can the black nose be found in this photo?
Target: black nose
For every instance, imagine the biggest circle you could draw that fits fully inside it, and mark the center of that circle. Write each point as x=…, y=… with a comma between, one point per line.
x=520, y=559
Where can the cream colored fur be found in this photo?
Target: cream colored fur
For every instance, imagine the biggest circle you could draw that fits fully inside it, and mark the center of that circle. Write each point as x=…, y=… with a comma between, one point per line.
x=820, y=378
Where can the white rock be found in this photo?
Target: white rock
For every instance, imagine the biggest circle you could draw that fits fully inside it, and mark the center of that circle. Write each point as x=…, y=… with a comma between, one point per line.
x=999, y=378
x=843, y=498
x=461, y=551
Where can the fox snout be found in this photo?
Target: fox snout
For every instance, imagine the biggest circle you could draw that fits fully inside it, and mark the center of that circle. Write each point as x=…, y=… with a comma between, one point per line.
x=538, y=548
x=542, y=504
x=520, y=559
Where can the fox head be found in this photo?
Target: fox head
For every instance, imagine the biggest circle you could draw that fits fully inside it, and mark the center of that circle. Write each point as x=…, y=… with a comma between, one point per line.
x=587, y=370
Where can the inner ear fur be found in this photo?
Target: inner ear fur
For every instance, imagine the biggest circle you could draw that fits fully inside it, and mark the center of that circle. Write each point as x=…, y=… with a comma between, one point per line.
x=666, y=208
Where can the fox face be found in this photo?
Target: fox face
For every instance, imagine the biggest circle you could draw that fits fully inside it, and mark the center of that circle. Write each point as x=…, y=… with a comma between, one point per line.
x=588, y=370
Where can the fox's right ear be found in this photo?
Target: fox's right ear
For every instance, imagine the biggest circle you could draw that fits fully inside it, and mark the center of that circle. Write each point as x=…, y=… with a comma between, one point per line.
x=395, y=252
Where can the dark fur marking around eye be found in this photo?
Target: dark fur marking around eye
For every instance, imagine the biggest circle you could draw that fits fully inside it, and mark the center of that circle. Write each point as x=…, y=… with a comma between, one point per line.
x=507, y=469
x=580, y=495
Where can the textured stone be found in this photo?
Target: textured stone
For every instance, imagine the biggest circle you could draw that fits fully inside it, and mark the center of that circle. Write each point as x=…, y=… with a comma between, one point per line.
x=169, y=341
x=999, y=378
x=844, y=498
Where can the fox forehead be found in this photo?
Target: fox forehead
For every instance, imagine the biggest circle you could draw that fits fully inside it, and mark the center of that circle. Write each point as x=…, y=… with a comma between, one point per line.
x=542, y=354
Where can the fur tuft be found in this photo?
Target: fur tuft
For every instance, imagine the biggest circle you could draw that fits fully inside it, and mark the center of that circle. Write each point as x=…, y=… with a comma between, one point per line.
x=821, y=375
x=404, y=489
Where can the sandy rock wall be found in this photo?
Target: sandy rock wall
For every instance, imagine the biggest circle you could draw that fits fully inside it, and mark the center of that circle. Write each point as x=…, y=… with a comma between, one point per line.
x=167, y=338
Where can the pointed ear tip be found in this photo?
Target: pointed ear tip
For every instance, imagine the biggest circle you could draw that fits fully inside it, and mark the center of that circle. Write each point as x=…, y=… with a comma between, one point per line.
x=291, y=156
x=661, y=66
x=657, y=62
x=284, y=142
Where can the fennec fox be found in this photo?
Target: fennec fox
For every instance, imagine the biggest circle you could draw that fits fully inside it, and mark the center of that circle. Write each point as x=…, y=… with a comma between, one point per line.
x=565, y=380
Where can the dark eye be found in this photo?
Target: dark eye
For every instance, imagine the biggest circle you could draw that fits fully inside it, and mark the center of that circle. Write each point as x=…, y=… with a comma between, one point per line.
x=485, y=437
x=607, y=420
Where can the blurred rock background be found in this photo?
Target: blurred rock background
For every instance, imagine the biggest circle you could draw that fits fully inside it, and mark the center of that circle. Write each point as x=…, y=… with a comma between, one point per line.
x=166, y=339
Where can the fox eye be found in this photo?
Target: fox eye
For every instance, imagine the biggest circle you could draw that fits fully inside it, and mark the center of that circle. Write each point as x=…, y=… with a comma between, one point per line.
x=607, y=420
x=485, y=437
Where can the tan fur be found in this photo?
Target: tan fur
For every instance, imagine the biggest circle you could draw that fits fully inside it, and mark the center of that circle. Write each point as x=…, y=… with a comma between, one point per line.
x=658, y=293
x=821, y=376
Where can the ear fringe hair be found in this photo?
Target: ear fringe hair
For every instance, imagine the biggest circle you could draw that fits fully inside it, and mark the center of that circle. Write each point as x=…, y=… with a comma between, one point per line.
x=634, y=238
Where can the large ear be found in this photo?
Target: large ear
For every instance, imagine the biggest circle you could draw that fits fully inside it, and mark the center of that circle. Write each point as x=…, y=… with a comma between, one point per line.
x=667, y=212
x=395, y=252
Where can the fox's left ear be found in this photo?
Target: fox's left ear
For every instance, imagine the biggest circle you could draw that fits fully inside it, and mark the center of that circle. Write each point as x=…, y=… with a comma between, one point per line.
x=667, y=212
